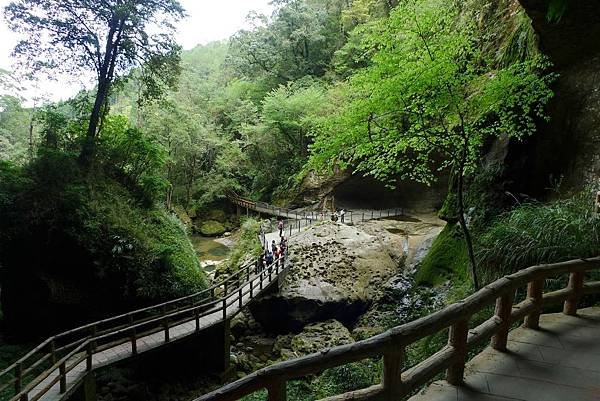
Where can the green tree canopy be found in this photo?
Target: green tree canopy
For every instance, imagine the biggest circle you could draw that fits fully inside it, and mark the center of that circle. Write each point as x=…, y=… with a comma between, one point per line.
x=429, y=99
x=108, y=38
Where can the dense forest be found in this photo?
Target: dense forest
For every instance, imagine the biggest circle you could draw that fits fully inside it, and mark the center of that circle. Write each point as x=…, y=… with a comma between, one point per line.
x=99, y=194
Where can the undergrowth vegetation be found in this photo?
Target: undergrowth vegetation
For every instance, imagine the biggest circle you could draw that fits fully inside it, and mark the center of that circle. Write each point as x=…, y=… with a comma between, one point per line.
x=536, y=233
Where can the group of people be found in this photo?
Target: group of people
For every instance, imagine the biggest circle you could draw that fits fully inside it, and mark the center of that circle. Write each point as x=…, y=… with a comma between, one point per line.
x=338, y=215
x=273, y=252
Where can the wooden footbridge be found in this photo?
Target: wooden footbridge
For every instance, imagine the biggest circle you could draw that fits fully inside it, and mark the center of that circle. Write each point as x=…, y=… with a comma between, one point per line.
x=399, y=381
x=59, y=365
x=298, y=219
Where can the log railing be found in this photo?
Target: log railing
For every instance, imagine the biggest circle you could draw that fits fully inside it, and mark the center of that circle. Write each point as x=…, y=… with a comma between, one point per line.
x=398, y=383
x=306, y=218
x=69, y=349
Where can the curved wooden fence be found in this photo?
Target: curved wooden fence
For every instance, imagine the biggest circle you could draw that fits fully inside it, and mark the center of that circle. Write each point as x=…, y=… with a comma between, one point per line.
x=397, y=382
x=38, y=372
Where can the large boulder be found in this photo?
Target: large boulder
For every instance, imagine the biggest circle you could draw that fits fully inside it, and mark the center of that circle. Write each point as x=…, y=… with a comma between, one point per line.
x=337, y=271
x=211, y=228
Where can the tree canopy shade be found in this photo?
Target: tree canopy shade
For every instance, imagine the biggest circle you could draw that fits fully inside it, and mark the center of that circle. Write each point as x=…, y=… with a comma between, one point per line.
x=108, y=37
x=429, y=100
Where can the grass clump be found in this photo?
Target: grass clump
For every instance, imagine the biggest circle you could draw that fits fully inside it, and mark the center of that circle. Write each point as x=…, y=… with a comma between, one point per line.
x=535, y=233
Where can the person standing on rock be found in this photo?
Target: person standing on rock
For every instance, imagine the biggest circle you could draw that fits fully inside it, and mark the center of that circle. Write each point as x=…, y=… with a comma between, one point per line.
x=280, y=227
x=342, y=214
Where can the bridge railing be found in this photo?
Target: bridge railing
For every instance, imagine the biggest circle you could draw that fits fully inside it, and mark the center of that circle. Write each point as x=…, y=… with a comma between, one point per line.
x=397, y=382
x=309, y=216
x=63, y=351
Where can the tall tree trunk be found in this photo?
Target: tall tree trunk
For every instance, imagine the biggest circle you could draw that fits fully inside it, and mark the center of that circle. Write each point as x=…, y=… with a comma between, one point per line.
x=31, y=134
x=463, y=223
x=89, y=144
x=105, y=76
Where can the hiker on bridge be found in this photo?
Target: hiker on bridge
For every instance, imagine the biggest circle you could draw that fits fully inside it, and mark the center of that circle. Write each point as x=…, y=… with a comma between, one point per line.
x=269, y=259
x=260, y=263
x=280, y=227
x=283, y=244
x=273, y=246
x=277, y=254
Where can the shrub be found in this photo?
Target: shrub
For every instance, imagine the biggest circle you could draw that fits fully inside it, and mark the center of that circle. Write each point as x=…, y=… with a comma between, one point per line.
x=85, y=246
x=536, y=233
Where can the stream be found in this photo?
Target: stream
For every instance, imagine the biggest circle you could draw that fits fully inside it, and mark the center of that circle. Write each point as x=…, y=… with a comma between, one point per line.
x=210, y=252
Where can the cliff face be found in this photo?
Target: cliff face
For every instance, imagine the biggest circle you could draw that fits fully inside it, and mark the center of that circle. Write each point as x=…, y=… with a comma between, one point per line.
x=569, y=144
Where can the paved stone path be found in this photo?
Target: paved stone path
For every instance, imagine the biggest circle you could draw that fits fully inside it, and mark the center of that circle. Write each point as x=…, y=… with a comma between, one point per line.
x=559, y=362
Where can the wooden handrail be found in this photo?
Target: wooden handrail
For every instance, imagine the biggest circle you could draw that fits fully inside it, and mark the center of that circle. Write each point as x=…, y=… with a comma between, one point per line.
x=307, y=216
x=133, y=329
x=390, y=344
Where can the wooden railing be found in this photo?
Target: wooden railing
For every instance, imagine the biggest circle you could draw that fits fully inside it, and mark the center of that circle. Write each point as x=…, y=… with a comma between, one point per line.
x=67, y=350
x=398, y=383
x=306, y=218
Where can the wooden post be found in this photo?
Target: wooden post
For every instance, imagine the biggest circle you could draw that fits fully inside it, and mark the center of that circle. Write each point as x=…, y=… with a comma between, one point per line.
x=94, y=333
x=62, y=371
x=197, y=318
x=251, y=288
x=224, y=308
x=535, y=290
x=88, y=359
x=277, y=391
x=503, y=310
x=240, y=298
x=166, y=326
x=261, y=280
x=53, y=351
x=133, y=337
x=575, y=284
x=18, y=377
x=457, y=339
x=392, y=372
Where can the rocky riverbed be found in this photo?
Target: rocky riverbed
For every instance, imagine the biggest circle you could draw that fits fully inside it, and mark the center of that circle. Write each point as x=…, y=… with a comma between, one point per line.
x=345, y=283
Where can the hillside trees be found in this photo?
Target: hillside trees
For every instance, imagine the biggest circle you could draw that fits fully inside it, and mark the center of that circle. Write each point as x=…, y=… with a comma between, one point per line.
x=428, y=102
x=298, y=40
x=108, y=38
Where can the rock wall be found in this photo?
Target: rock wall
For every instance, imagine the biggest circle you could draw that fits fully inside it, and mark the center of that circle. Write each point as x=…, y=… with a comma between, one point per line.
x=569, y=144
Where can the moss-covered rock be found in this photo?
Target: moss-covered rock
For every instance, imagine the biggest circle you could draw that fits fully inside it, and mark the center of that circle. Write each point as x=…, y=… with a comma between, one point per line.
x=211, y=228
x=313, y=338
x=86, y=246
x=446, y=259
